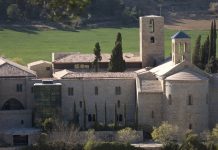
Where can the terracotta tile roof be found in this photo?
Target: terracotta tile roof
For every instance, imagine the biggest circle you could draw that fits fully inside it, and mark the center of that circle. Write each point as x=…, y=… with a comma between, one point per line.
x=88, y=58
x=11, y=69
x=66, y=74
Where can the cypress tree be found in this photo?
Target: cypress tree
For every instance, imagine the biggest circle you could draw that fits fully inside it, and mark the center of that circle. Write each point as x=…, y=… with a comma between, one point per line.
x=96, y=113
x=117, y=63
x=84, y=113
x=205, y=52
x=115, y=116
x=97, y=52
x=125, y=115
x=211, y=47
x=105, y=114
x=214, y=38
x=74, y=112
x=196, y=56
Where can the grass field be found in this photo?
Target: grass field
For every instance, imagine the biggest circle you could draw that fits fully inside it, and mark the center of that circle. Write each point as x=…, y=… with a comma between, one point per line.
x=35, y=45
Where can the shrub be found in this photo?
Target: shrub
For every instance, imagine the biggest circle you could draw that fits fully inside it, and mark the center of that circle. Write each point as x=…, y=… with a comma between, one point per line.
x=48, y=124
x=164, y=133
x=171, y=146
x=127, y=135
x=90, y=145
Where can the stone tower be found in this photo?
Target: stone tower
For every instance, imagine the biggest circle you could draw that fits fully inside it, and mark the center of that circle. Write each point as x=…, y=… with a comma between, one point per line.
x=181, y=47
x=151, y=40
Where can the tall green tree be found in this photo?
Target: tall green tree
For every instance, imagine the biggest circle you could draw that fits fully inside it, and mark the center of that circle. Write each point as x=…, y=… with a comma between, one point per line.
x=61, y=9
x=84, y=113
x=196, y=56
x=96, y=114
x=205, y=52
x=125, y=123
x=117, y=63
x=97, y=52
x=115, y=116
x=105, y=114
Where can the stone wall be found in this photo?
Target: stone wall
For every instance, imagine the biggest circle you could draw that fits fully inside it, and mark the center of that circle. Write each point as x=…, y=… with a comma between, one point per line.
x=151, y=53
x=84, y=89
x=180, y=112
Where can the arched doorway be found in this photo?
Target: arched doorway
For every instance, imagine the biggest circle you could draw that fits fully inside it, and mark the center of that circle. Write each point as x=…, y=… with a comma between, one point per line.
x=12, y=104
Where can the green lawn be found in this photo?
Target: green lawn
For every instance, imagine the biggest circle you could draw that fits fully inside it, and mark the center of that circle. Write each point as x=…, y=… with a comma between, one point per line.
x=35, y=45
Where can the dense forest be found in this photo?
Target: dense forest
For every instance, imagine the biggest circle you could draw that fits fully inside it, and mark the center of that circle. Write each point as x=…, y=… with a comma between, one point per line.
x=91, y=11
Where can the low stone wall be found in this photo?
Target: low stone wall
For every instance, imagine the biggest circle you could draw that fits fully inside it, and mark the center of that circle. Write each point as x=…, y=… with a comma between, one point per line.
x=150, y=146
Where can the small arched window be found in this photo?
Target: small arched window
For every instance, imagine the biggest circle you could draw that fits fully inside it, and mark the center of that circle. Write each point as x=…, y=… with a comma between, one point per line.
x=151, y=25
x=190, y=126
x=152, y=39
x=118, y=103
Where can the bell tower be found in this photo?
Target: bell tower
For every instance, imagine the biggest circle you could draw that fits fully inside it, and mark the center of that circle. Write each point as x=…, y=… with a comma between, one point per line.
x=151, y=40
x=181, y=47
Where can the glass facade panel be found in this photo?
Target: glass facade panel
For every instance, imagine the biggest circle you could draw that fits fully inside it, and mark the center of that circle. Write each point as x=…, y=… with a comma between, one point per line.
x=47, y=101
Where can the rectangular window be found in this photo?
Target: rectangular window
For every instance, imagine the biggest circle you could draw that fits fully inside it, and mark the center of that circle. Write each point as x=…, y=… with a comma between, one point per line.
x=32, y=89
x=96, y=90
x=170, y=99
x=152, y=114
x=118, y=90
x=190, y=100
x=70, y=91
x=118, y=103
x=48, y=68
x=80, y=104
x=19, y=87
x=120, y=119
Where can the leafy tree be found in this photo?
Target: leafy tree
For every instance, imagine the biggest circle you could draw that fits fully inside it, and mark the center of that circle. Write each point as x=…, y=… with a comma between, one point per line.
x=165, y=133
x=117, y=63
x=13, y=12
x=97, y=52
x=127, y=135
x=192, y=142
x=61, y=9
x=196, y=56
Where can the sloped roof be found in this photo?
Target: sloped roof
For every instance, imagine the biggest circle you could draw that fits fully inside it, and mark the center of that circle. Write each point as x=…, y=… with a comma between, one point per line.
x=38, y=62
x=11, y=69
x=180, y=35
x=66, y=74
x=187, y=75
x=89, y=58
x=151, y=86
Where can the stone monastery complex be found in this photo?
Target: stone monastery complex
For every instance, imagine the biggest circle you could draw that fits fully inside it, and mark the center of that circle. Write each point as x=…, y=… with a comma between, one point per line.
x=150, y=91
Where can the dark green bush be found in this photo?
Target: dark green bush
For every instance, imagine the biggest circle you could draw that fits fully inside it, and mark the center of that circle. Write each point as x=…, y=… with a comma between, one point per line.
x=90, y=145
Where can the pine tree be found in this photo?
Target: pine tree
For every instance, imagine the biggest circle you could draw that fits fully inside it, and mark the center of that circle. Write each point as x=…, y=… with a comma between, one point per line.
x=196, y=56
x=117, y=63
x=105, y=114
x=84, y=113
x=97, y=52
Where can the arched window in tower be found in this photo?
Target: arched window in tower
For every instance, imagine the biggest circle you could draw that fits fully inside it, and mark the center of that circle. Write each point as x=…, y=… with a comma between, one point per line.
x=151, y=25
x=152, y=39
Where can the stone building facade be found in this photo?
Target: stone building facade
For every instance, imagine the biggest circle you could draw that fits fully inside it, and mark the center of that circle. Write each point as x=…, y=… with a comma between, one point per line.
x=145, y=95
